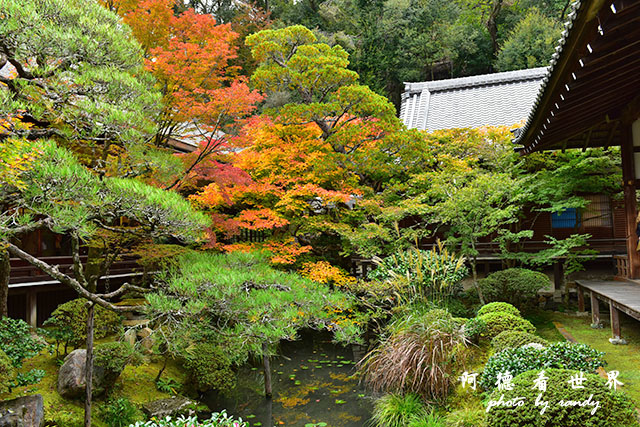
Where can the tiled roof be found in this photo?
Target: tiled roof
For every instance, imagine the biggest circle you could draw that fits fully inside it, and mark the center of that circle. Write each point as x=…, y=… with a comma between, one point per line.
x=489, y=99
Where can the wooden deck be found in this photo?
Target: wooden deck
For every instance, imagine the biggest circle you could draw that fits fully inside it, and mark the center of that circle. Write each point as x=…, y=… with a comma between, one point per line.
x=621, y=296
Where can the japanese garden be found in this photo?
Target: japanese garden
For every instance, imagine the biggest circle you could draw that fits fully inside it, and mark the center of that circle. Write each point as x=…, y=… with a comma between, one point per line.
x=319, y=213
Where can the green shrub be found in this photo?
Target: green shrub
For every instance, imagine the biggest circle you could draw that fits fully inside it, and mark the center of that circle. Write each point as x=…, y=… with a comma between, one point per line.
x=562, y=355
x=474, y=328
x=396, y=410
x=119, y=412
x=70, y=319
x=498, y=322
x=209, y=368
x=517, y=286
x=7, y=372
x=615, y=408
x=501, y=307
x=515, y=339
x=220, y=419
x=114, y=356
x=17, y=340
x=111, y=358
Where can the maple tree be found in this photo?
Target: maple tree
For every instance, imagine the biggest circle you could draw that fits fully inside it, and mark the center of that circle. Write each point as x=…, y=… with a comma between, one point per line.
x=191, y=57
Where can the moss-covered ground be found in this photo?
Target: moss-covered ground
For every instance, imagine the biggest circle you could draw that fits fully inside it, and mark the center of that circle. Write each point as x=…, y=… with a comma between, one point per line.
x=623, y=358
x=137, y=383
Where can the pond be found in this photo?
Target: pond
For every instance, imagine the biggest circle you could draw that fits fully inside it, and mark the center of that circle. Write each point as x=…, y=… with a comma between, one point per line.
x=314, y=383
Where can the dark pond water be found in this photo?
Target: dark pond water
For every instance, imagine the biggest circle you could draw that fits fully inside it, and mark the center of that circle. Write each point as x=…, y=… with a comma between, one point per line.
x=313, y=382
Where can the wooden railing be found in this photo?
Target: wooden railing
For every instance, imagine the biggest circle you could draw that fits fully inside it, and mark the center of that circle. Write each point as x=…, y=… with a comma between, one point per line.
x=22, y=272
x=622, y=266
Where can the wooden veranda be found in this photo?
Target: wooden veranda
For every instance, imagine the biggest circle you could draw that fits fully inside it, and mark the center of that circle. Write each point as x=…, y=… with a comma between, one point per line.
x=619, y=296
x=591, y=98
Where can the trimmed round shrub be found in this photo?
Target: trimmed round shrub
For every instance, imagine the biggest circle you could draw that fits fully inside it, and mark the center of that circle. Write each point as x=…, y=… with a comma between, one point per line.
x=498, y=322
x=209, y=368
x=515, y=339
x=7, y=372
x=561, y=355
x=517, y=286
x=396, y=410
x=615, y=408
x=72, y=317
x=498, y=307
x=17, y=340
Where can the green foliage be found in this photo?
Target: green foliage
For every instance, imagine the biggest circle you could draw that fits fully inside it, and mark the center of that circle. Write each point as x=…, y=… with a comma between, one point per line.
x=7, y=372
x=517, y=286
x=209, y=368
x=422, y=350
x=431, y=275
x=397, y=410
x=615, y=409
x=499, y=307
x=119, y=412
x=114, y=356
x=218, y=419
x=474, y=328
x=252, y=304
x=430, y=420
x=562, y=355
x=466, y=418
x=87, y=81
x=17, y=340
x=530, y=44
x=69, y=321
x=515, y=339
x=168, y=385
x=33, y=376
x=498, y=322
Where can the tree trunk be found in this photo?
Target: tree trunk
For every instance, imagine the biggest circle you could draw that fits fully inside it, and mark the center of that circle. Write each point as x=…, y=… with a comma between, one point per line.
x=5, y=269
x=474, y=271
x=268, y=392
x=89, y=366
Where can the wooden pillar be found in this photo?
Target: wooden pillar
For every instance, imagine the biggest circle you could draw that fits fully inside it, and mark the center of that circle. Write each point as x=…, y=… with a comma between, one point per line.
x=32, y=307
x=615, y=321
x=558, y=275
x=595, y=312
x=630, y=208
x=580, y=299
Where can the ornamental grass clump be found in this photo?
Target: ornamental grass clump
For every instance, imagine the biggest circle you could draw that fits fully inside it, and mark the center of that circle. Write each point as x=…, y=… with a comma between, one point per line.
x=419, y=355
x=397, y=410
x=429, y=275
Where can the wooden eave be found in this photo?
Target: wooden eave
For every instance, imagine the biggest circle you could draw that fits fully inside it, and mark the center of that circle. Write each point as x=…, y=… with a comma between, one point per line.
x=594, y=79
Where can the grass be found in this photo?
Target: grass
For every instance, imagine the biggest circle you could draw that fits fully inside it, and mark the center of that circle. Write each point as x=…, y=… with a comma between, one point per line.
x=623, y=358
x=136, y=383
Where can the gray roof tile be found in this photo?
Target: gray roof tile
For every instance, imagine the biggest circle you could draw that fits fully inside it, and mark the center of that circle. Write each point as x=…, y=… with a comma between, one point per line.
x=490, y=99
